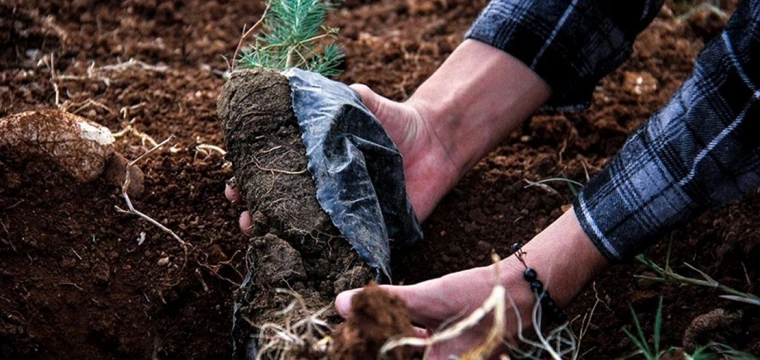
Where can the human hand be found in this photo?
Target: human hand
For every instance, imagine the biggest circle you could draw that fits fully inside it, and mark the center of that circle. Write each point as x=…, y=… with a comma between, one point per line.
x=441, y=302
x=429, y=170
x=562, y=255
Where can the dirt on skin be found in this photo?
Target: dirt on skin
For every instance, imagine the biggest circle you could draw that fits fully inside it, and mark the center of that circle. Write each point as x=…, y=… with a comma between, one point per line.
x=375, y=317
x=77, y=281
x=296, y=245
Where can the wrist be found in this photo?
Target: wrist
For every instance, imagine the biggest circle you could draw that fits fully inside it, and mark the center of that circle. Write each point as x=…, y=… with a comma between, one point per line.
x=564, y=258
x=475, y=99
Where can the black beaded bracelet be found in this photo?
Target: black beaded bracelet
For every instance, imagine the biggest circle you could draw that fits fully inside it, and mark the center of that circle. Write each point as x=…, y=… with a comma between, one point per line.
x=548, y=306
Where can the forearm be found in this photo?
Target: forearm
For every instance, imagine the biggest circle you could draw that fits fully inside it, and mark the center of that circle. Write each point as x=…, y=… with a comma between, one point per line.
x=570, y=44
x=476, y=98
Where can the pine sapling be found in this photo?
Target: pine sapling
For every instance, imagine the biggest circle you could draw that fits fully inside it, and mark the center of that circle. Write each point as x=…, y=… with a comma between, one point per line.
x=294, y=36
x=295, y=245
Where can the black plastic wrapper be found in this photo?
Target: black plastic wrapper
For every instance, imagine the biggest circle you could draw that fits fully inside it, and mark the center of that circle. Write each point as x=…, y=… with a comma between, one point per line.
x=357, y=169
x=359, y=176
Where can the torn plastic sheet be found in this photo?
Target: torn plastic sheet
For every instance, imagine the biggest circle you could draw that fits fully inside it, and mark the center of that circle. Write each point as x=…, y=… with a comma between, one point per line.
x=357, y=169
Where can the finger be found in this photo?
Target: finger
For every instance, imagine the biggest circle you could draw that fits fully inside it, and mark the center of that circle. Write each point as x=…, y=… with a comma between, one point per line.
x=422, y=333
x=343, y=305
x=245, y=222
x=232, y=192
x=344, y=300
x=409, y=294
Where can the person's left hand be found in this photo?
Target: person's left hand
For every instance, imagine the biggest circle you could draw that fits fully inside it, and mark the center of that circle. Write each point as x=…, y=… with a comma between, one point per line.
x=563, y=256
x=442, y=301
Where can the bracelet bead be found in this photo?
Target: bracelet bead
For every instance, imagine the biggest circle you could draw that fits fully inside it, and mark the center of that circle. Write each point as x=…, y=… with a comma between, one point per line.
x=537, y=285
x=530, y=275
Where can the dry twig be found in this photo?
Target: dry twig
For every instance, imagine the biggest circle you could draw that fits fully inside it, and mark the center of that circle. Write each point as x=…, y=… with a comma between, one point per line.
x=131, y=209
x=245, y=35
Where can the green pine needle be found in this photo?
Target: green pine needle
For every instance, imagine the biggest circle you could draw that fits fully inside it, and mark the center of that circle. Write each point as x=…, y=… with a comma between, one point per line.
x=293, y=35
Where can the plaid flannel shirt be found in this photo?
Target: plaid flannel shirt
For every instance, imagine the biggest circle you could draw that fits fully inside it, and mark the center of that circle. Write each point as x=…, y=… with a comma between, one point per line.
x=699, y=151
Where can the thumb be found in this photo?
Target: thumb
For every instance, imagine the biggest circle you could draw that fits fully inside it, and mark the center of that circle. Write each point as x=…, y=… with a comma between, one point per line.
x=344, y=300
x=370, y=99
x=398, y=119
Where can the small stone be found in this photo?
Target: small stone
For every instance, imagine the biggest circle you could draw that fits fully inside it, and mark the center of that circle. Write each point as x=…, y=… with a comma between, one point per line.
x=116, y=171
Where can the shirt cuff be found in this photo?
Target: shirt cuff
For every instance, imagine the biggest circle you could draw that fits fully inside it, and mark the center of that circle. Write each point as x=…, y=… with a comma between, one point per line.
x=571, y=45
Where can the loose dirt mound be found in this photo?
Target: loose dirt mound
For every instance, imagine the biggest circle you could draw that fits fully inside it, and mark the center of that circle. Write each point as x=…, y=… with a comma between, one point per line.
x=75, y=282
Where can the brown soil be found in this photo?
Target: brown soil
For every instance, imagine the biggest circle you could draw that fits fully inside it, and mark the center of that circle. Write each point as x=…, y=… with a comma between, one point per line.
x=375, y=317
x=75, y=283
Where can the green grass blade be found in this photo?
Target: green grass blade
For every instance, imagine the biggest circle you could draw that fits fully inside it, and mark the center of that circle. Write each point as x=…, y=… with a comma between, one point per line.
x=641, y=342
x=642, y=347
x=658, y=327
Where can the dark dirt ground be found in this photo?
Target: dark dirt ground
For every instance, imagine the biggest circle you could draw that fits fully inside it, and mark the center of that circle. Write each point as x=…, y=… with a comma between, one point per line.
x=74, y=283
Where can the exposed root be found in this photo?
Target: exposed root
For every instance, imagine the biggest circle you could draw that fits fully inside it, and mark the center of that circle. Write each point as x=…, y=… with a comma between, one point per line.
x=205, y=148
x=214, y=269
x=131, y=209
x=558, y=343
x=309, y=335
x=80, y=106
x=50, y=23
x=94, y=73
x=274, y=170
x=8, y=234
x=144, y=138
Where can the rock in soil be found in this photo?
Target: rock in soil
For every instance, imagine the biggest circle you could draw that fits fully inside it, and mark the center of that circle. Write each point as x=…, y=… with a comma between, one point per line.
x=79, y=146
x=709, y=327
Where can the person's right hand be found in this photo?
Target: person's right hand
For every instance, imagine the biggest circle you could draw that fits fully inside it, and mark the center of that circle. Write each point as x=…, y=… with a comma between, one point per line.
x=429, y=168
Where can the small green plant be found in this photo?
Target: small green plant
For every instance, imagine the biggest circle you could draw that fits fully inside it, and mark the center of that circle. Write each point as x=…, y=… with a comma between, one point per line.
x=666, y=274
x=293, y=35
x=640, y=340
x=711, y=351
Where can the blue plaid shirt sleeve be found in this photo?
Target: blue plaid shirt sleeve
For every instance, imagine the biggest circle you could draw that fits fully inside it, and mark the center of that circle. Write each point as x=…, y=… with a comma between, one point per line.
x=701, y=150
x=570, y=44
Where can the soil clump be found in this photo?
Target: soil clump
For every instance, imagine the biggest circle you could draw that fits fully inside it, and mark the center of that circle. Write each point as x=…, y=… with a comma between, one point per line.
x=296, y=245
